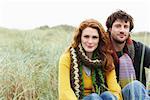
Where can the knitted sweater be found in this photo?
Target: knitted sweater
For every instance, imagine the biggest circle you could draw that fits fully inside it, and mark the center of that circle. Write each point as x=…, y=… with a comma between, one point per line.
x=64, y=87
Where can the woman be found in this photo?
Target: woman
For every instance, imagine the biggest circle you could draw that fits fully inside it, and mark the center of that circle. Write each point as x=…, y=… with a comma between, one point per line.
x=86, y=70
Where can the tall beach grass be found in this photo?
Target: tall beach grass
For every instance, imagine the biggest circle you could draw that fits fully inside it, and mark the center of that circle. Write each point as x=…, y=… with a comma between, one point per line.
x=29, y=61
x=28, y=64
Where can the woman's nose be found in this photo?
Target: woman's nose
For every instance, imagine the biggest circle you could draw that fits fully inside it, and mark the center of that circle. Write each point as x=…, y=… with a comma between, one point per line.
x=90, y=40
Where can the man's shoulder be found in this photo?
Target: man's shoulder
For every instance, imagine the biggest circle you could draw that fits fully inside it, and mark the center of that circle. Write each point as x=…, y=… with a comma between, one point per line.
x=137, y=42
x=140, y=46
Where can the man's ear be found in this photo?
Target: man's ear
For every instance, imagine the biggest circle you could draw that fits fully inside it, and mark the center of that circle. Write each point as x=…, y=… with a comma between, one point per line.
x=110, y=30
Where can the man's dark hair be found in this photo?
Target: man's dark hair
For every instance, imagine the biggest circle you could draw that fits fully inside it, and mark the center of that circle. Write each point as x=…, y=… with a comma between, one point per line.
x=121, y=15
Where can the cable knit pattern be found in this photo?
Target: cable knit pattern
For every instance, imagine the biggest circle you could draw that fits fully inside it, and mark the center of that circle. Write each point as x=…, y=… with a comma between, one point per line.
x=92, y=61
x=76, y=71
x=78, y=58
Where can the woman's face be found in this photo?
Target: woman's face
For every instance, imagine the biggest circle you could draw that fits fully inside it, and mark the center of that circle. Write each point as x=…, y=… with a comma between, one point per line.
x=89, y=39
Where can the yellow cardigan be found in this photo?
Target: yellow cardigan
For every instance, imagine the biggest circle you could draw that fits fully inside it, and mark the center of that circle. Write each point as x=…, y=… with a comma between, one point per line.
x=64, y=87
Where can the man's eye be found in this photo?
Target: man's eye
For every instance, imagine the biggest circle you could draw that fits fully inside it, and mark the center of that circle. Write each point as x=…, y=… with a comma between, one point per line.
x=126, y=26
x=117, y=26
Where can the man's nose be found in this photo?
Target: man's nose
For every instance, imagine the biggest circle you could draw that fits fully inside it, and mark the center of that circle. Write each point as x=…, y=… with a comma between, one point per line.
x=122, y=30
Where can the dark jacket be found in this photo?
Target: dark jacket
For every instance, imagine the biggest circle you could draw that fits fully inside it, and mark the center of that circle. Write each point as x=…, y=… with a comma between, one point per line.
x=139, y=47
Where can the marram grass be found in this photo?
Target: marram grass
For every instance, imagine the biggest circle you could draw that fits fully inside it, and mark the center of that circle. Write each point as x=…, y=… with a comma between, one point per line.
x=29, y=64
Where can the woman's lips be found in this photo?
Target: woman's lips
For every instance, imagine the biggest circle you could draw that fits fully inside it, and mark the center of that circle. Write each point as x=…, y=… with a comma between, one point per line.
x=90, y=46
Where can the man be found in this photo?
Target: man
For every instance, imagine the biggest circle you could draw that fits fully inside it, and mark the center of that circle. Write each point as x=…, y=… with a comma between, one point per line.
x=130, y=57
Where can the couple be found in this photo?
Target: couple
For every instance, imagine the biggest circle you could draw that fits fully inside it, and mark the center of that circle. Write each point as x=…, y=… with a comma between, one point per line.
x=103, y=65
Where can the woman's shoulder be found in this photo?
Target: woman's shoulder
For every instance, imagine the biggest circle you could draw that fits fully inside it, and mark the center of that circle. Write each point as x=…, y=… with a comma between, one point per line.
x=65, y=59
x=65, y=55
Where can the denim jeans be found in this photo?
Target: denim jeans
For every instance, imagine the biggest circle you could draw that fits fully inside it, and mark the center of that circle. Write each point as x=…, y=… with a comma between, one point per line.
x=104, y=96
x=135, y=91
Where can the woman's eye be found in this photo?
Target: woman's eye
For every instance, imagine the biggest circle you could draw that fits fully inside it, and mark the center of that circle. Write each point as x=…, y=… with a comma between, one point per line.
x=95, y=37
x=86, y=36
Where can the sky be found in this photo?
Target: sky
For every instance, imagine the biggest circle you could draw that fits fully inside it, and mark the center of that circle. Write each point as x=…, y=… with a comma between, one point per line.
x=29, y=14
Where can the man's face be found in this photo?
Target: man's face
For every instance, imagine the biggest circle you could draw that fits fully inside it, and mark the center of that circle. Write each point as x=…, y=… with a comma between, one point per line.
x=120, y=31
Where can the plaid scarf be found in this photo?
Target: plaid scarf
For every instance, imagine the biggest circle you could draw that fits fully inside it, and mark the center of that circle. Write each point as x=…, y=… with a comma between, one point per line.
x=78, y=59
x=126, y=70
x=126, y=61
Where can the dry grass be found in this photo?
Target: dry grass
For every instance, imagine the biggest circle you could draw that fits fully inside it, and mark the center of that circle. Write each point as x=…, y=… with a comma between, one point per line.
x=29, y=62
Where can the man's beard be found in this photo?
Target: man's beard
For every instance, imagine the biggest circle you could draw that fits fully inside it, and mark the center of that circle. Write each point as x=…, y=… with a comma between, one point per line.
x=117, y=41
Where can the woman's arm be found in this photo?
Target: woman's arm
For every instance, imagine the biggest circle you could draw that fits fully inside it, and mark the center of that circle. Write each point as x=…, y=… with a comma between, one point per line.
x=113, y=86
x=64, y=88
